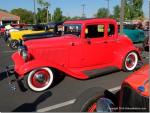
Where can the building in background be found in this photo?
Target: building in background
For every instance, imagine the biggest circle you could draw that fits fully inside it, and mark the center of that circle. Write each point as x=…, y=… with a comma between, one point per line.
x=7, y=18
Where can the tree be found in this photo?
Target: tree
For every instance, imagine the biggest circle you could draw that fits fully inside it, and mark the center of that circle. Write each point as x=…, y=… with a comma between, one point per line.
x=76, y=17
x=102, y=13
x=133, y=9
x=57, y=15
x=41, y=14
x=44, y=8
x=43, y=3
x=64, y=18
x=116, y=12
x=3, y=10
x=137, y=5
x=25, y=15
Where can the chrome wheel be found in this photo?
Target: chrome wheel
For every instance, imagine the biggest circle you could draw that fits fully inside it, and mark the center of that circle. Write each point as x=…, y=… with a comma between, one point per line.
x=40, y=79
x=131, y=61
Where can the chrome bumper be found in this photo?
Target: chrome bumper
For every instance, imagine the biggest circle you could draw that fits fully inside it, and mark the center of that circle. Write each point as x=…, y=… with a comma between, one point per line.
x=12, y=82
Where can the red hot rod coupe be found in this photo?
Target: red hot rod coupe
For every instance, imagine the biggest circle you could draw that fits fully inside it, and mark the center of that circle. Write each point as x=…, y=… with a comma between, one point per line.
x=87, y=48
x=133, y=96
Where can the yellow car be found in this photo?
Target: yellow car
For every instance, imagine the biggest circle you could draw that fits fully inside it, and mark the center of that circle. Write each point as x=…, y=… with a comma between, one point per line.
x=16, y=36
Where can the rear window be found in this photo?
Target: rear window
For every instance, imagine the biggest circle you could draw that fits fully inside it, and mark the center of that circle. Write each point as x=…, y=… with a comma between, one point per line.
x=111, y=29
x=94, y=31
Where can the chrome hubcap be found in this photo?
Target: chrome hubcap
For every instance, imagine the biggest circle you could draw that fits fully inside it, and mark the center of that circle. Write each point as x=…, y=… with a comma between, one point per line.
x=130, y=61
x=40, y=78
x=14, y=44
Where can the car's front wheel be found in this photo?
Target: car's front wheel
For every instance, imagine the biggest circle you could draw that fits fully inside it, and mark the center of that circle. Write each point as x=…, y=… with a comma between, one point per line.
x=130, y=61
x=40, y=79
x=14, y=44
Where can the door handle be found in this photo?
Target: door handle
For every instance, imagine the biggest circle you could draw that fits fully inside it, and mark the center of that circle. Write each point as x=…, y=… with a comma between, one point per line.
x=105, y=42
x=72, y=43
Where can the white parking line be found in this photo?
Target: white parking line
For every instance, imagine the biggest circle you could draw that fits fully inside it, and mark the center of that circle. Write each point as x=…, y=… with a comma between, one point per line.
x=56, y=106
x=114, y=89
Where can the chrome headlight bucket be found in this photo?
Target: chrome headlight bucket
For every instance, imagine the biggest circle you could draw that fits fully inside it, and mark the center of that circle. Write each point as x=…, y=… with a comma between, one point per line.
x=20, y=49
x=23, y=52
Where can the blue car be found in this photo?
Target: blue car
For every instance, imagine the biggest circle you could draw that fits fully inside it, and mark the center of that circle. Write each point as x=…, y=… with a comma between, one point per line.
x=136, y=35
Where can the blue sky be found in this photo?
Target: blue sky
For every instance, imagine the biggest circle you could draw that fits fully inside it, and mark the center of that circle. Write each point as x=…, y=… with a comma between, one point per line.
x=69, y=7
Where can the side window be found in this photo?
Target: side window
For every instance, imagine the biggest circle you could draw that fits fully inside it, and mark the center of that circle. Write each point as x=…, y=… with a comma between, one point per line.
x=94, y=31
x=111, y=30
x=74, y=29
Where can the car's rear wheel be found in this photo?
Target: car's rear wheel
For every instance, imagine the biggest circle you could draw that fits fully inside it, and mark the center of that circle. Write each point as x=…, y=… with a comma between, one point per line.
x=14, y=44
x=87, y=101
x=40, y=79
x=130, y=61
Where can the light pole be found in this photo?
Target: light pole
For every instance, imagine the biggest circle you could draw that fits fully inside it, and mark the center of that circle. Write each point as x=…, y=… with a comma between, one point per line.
x=149, y=18
x=83, y=10
x=108, y=8
x=122, y=16
x=34, y=12
x=47, y=14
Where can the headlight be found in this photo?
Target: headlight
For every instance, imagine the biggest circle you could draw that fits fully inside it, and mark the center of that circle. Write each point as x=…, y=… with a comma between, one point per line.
x=20, y=49
x=24, y=54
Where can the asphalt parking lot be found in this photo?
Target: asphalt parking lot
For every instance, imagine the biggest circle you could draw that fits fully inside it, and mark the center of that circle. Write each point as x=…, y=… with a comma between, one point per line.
x=59, y=98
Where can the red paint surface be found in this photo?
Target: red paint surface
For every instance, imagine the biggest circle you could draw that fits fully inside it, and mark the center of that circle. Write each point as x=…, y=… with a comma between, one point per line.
x=74, y=55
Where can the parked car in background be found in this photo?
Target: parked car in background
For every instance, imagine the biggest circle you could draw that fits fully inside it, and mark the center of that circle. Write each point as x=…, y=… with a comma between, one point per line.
x=14, y=37
x=132, y=97
x=87, y=48
x=21, y=26
x=53, y=29
x=8, y=30
x=136, y=35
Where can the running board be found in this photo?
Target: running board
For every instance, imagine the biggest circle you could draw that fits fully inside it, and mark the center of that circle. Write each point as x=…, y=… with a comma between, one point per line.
x=100, y=71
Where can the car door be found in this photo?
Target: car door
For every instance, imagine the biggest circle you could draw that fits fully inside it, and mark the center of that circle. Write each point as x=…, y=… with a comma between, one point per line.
x=73, y=32
x=96, y=49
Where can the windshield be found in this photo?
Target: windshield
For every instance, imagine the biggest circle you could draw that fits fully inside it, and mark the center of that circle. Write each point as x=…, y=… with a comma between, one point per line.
x=74, y=29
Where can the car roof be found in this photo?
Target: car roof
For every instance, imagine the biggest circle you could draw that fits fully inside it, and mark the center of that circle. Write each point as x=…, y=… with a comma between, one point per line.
x=86, y=21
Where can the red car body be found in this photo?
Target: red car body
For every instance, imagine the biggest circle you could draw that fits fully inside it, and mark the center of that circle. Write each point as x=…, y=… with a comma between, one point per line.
x=137, y=79
x=133, y=96
x=134, y=92
x=75, y=53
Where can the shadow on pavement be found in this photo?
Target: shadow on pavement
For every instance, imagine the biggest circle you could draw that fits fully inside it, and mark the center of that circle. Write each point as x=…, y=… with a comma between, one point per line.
x=3, y=75
x=58, y=78
x=29, y=107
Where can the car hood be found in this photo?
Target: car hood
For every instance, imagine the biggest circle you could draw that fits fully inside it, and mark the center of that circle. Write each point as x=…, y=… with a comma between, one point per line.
x=48, y=42
x=139, y=78
x=38, y=36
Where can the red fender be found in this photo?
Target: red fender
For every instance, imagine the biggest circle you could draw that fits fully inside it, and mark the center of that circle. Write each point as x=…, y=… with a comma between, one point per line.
x=120, y=56
x=25, y=67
